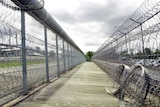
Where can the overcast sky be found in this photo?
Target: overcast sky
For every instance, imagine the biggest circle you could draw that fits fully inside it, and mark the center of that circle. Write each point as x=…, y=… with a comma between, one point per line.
x=90, y=22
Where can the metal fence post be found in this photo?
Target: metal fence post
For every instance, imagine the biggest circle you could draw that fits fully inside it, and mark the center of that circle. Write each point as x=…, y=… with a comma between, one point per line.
x=71, y=56
x=68, y=56
x=64, y=57
x=46, y=54
x=143, y=49
x=57, y=55
x=70, y=52
x=24, y=64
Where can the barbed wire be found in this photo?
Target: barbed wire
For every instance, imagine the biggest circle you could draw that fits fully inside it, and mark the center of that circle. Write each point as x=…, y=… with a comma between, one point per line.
x=135, y=43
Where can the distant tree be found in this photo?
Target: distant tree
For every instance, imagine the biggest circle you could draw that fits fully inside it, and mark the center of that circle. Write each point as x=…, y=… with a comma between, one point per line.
x=38, y=48
x=139, y=53
x=148, y=51
x=89, y=55
x=157, y=51
x=124, y=53
x=52, y=54
x=131, y=54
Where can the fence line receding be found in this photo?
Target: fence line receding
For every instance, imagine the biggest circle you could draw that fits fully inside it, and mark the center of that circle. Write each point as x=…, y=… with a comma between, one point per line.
x=131, y=56
x=34, y=49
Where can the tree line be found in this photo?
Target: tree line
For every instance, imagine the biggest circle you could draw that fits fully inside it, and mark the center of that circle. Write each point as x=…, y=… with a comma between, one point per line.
x=148, y=53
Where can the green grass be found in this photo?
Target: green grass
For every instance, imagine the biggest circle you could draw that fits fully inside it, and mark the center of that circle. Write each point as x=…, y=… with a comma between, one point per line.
x=16, y=63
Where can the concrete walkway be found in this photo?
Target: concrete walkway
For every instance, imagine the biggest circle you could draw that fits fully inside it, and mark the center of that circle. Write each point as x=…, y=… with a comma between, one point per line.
x=81, y=87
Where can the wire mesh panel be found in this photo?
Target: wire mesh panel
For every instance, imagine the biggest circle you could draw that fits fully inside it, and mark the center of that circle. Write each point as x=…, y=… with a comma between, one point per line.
x=10, y=54
x=60, y=55
x=75, y=57
x=35, y=51
x=66, y=56
x=69, y=55
x=136, y=41
x=52, y=54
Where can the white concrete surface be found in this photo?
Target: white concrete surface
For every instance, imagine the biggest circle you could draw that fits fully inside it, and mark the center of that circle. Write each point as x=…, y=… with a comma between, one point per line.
x=81, y=87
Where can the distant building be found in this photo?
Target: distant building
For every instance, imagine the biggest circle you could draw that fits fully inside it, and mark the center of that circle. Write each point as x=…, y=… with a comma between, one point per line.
x=10, y=52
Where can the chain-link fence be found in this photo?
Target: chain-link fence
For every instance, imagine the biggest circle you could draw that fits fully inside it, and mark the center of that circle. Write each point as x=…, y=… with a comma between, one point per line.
x=33, y=50
x=136, y=44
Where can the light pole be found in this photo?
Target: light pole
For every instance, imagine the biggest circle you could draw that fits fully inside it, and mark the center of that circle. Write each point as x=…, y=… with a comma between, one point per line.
x=143, y=50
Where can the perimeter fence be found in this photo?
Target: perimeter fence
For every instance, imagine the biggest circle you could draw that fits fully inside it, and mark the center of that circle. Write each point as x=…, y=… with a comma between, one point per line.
x=34, y=49
x=131, y=56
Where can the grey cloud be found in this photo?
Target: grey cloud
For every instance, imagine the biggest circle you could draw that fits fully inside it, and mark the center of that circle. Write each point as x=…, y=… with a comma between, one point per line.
x=93, y=41
x=92, y=44
x=92, y=12
x=64, y=16
x=111, y=13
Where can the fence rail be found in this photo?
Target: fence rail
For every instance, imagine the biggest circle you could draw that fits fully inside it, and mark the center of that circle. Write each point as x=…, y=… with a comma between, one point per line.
x=34, y=49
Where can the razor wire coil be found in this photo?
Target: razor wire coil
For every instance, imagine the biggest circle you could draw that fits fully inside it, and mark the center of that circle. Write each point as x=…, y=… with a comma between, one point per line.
x=135, y=43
